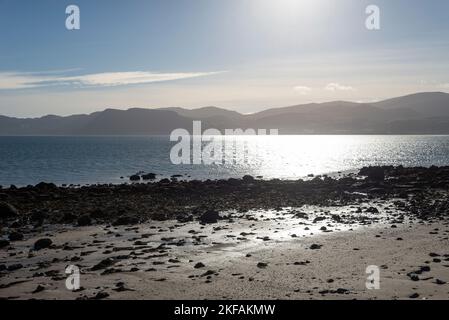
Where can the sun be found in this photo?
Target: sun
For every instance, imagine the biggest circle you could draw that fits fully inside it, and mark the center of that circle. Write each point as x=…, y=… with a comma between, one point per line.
x=281, y=12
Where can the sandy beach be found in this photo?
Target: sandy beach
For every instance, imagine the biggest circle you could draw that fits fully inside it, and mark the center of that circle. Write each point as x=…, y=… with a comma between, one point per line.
x=312, y=251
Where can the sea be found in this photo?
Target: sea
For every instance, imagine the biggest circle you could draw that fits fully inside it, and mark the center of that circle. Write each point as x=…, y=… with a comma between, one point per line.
x=86, y=160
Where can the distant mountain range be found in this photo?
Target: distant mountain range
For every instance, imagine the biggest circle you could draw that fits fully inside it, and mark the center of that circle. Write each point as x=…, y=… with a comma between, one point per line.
x=420, y=113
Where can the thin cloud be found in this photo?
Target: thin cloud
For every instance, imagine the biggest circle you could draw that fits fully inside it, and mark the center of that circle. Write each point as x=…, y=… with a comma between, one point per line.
x=334, y=86
x=18, y=80
x=302, y=90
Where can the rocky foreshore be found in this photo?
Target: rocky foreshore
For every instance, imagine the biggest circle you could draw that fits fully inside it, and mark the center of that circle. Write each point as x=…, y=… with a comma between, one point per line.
x=425, y=190
x=234, y=238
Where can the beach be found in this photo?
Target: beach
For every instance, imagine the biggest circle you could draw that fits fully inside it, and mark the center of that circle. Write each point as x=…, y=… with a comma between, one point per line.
x=231, y=239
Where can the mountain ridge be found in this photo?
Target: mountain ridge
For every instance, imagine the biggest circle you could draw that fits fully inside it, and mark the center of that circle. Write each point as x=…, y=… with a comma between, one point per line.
x=419, y=113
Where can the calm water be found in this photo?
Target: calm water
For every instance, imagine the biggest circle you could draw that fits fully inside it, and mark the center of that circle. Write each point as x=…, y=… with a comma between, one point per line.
x=83, y=160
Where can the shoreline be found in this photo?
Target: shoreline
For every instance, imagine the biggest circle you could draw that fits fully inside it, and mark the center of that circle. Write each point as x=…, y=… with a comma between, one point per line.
x=231, y=239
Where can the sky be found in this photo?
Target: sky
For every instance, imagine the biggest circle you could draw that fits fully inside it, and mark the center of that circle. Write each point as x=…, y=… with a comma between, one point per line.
x=243, y=55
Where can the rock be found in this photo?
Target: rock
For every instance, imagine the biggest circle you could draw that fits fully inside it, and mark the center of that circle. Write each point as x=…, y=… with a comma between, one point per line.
x=134, y=177
x=101, y=295
x=301, y=215
x=38, y=289
x=68, y=217
x=184, y=218
x=15, y=236
x=7, y=211
x=440, y=282
x=84, y=220
x=46, y=186
x=425, y=269
x=4, y=243
x=315, y=246
x=208, y=273
x=126, y=220
x=342, y=291
x=14, y=267
x=372, y=210
x=38, y=216
x=262, y=265
x=210, y=216
x=120, y=287
x=414, y=296
x=373, y=173
x=149, y=176
x=103, y=264
x=248, y=178
x=199, y=265
x=42, y=243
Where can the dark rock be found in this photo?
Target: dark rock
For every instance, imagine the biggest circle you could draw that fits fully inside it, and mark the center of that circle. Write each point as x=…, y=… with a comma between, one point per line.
x=199, y=265
x=42, y=243
x=103, y=264
x=184, y=218
x=372, y=210
x=126, y=220
x=4, y=243
x=315, y=246
x=38, y=289
x=134, y=177
x=440, y=282
x=84, y=220
x=373, y=173
x=414, y=296
x=68, y=217
x=14, y=267
x=7, y=211
x=46, y=186
x=15, y=236
x=262, y=265
x=38, y=216
x=248, y=178
x=100, y=295
x=149, y=176
x=342, y=291
x=210, y=216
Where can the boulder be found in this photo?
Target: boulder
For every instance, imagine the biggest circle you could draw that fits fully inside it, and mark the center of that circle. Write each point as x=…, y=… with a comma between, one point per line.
x=210, y=216
x=248, y=178
x=42, y=243
x=7, y=211
x=149, y=176
x=125, y=220
x=373, y=173
x=3, y=243
x=46, y=186
x=134, y=177
x=84, y=220
x=15, y=236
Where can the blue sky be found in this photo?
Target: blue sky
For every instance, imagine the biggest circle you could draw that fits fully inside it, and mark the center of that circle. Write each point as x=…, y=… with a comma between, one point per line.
x=245, y=55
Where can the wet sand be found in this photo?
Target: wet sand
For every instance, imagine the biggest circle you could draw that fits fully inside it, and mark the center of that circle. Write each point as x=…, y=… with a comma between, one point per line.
x=270, y=258
x=256, y=248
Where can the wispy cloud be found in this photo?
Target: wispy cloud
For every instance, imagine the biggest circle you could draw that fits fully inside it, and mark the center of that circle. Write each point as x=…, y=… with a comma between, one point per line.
x=303, y=90
x=18, y=80
x=334, y=86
